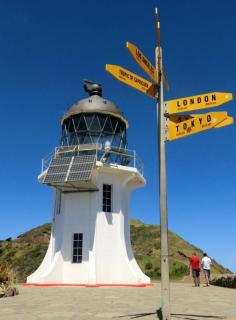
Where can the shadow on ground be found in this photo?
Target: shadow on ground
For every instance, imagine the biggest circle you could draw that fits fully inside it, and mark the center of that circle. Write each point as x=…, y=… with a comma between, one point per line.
x=194, y=316
x=182, y=316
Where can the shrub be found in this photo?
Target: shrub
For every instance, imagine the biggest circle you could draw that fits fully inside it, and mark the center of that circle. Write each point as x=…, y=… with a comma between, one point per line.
x=148, y=266
x=6, y=274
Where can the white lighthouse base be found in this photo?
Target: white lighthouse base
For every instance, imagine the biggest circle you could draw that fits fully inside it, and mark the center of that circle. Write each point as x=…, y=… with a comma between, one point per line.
x=107, y=253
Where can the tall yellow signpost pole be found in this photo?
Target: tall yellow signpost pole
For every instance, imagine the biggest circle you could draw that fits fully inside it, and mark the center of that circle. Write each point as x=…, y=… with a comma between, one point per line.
x=161, y=125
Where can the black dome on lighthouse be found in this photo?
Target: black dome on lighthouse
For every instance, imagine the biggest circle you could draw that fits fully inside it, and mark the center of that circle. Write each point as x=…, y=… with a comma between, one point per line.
x=94, y=103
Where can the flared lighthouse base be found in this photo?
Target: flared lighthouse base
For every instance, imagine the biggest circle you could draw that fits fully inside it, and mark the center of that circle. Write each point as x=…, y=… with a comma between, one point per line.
x=90, y=247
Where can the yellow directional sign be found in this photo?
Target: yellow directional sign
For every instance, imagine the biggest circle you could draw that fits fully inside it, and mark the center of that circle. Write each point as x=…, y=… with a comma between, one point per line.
x=132, y=79
x=142, y=61
x=226, y=122
x=202, y=101
x=185, y=125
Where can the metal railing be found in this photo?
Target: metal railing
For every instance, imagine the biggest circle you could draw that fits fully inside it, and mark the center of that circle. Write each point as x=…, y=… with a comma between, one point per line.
x=129, y=157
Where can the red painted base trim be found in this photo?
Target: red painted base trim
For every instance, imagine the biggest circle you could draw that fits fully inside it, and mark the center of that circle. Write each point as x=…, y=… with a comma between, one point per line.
x=86, y=285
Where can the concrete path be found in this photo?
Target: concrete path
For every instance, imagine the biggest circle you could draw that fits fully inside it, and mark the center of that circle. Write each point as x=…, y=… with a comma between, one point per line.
x=119, y=303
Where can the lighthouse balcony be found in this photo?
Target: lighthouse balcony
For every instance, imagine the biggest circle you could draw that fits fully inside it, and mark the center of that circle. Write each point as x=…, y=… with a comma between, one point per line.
x=69, y=168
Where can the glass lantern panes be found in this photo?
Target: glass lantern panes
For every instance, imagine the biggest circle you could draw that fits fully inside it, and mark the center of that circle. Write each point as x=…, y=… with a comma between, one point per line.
x=94, y=128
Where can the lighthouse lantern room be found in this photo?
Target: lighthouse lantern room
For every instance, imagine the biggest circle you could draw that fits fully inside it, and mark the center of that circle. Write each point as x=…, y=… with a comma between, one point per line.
x=92, y=174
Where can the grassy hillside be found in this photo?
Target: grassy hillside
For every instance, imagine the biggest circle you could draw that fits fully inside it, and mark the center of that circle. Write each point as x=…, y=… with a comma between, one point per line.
x=145, y=241
x=26, y=252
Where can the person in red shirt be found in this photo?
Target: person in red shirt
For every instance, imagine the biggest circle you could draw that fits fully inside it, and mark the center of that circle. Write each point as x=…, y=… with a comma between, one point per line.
x=194, y=265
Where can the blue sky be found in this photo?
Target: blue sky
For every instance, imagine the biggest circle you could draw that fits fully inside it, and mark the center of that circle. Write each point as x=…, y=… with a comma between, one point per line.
x=49, y=47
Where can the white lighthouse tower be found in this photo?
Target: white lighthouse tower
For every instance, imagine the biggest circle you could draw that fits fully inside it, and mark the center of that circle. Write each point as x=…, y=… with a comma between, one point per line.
x=92, y=174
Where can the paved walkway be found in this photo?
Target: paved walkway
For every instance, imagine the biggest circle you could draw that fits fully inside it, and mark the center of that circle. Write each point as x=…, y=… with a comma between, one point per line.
x=118, y=303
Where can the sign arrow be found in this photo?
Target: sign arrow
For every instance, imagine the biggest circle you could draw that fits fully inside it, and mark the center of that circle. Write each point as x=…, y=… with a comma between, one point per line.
x=142, y=61
x=132, y=79
x=226, y=122
x=185, y=125
x=202, y=101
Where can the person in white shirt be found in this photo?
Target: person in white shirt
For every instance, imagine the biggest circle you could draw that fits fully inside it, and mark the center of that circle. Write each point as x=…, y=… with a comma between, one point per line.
x=206, y=266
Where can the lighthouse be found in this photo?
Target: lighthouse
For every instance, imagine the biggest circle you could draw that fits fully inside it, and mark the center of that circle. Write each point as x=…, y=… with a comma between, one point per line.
x=92, y=174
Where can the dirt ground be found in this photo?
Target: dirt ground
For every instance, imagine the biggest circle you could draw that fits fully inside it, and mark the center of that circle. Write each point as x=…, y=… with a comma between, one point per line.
x=62, y=303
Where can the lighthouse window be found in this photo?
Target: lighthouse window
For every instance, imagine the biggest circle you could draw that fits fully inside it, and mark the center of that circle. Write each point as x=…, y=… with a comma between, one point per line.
x=77, y=247
x=107, y=198
x=58, y=209
x=57, y=205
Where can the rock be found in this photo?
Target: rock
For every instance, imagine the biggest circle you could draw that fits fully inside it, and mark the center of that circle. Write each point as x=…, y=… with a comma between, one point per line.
x=228, y=281
x=11, y=291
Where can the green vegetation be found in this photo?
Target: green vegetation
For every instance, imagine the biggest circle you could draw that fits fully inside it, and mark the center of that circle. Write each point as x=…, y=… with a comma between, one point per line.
x=145, y=241
x=25, y=253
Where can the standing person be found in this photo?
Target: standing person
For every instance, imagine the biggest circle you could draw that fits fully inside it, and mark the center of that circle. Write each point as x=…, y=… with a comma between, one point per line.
x=206, y=266
x=194, y=265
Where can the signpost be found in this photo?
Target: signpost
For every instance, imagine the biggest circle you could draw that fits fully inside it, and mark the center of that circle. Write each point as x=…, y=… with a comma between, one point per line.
x=160, y=109
x=170, y=127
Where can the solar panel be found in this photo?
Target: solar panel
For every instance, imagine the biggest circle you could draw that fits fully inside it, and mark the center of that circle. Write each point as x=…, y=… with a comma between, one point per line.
x=84, y=159
x=79, y=176
x=68, y=169
x=60, y=161
x=81, y=167
x=55, y=178
x=57, y=169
